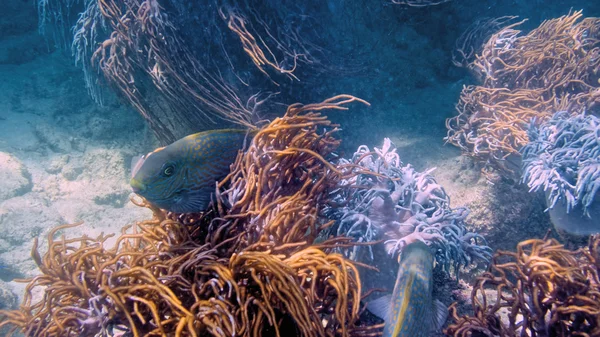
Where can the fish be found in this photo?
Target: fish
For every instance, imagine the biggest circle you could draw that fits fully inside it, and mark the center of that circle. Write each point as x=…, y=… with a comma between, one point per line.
x=181, y=177
x=411, y=309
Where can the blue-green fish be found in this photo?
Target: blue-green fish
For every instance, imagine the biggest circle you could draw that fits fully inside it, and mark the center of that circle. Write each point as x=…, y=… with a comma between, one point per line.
x=181, y=177
x=411, y=311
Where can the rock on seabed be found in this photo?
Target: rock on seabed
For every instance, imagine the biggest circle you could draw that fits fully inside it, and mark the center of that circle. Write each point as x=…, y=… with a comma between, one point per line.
x=15, y=179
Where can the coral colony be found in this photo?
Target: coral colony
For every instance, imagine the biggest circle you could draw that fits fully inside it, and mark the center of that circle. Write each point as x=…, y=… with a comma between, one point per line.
x=384, y=199
x=562, y=158
x=525, y=77
x=542, y=289
x=141, y=50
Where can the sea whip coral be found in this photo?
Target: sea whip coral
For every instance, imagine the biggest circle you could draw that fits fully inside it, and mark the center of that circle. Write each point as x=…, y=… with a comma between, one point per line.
x=525, y=77
x=187, y=66
x=471, y=42
x=542, y=289
x=248, y=267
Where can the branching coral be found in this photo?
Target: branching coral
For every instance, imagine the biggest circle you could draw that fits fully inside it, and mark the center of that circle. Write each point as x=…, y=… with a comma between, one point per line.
x=542, y=289
x=180, y=63
x=248, y=267
x=283, y=168
x=553, y=68
x=145, y=52
x=381, y=198
x=563, y=159
x=471, y=41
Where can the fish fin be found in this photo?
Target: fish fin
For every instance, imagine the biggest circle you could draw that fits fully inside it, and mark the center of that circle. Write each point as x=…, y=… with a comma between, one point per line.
x=136, y=163
x=440, y=314
x=194, y=201
x=380, y=307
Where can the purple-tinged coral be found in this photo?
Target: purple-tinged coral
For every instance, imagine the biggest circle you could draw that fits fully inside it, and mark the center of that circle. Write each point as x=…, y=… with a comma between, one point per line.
x=563, y=159
x=383, y=199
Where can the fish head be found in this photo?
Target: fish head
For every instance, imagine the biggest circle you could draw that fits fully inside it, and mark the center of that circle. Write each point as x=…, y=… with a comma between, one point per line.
x=181, y=177
x=160, y=178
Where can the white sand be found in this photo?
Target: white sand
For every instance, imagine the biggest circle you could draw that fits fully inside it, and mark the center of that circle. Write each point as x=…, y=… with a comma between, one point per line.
x=62, y=160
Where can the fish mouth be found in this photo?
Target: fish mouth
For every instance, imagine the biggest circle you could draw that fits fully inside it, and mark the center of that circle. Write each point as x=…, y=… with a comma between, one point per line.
x=137, y=186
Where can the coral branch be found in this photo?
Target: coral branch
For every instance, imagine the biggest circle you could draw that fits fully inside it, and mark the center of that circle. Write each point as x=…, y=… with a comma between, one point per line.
x=526, y=77
x=542, y=289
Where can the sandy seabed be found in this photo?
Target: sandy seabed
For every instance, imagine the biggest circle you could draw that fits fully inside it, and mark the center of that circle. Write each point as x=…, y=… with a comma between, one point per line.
x=63, y=159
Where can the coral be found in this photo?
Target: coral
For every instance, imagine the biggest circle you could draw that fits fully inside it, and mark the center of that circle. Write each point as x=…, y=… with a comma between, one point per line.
x=250, y=266
x=470, y=43
x=562, y=159
x=552, y=68
x=382, y=199
x=187, y=66
x=278, y=50
x=54, y=17
x=185, y=90
x=542, y=289
x=87, y=32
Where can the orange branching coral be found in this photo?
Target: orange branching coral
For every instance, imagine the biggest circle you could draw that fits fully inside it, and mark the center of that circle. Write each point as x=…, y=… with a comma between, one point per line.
x=542, y=289
x=248, y=267
x=285, y=174
x=257, y=48
x=553, y=68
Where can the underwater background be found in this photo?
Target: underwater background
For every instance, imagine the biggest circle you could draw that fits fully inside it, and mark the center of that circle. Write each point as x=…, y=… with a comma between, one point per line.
x=74, y=112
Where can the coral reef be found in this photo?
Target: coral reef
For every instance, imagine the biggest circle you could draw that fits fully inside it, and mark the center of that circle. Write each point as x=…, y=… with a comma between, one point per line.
x=250, y=266
x=562, y=159
x=542, y=289
x=471, y=42
x=382, y=199
x=552, y=68
x=183, y=82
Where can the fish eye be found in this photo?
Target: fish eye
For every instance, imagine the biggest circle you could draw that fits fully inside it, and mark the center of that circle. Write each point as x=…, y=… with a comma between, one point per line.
x=169, y=170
